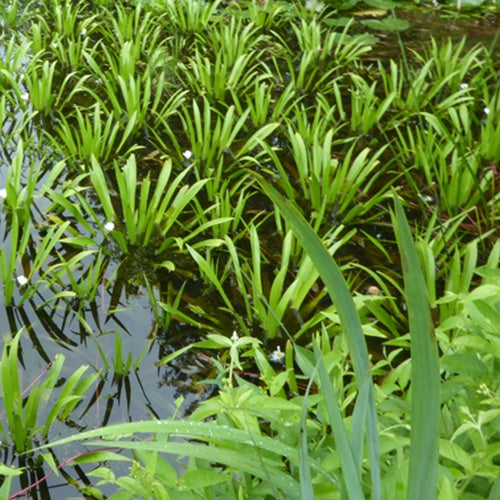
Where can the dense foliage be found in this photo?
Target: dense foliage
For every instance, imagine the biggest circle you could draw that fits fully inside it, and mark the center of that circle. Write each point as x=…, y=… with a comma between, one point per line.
x=250, y=169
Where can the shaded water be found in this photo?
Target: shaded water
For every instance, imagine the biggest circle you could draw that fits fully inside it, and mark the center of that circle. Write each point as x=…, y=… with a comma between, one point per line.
x=478, y=28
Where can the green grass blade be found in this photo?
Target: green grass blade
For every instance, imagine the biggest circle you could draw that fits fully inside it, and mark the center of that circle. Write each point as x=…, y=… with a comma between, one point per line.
x=306, y=488
x=425, y=404
x=242, y=460
x=495, y=490
x=10, y=385
x=351, y=472
x=339, y=292
x=224, y=439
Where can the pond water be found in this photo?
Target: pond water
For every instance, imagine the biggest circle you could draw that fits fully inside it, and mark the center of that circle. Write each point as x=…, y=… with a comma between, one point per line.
x=151, y=391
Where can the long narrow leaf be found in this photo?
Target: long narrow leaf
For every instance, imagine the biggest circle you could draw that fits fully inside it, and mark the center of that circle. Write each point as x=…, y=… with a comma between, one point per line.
x=242, y=461
x=352, y=478
x=337, y=288
x=425, y=402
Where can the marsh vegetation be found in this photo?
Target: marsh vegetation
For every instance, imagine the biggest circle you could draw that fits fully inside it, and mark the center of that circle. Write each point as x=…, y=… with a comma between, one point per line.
x=248, y=250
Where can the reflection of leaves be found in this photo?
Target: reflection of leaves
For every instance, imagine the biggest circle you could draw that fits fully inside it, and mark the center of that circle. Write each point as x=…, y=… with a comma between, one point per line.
x=389, y=24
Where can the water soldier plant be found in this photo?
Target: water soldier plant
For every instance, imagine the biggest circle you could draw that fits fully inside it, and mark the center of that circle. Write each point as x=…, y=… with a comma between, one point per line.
x=266, y=242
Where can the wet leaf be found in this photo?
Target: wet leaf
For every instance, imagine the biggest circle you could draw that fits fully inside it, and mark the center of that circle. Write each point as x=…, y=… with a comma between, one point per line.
x=201, y=478
x=389, y=24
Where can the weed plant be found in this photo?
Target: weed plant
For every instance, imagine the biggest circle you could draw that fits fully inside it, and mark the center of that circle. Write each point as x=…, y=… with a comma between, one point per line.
x=324, y=220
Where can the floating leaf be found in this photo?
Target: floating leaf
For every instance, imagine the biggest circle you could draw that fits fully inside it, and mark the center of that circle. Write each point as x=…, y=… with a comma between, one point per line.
x=371, y=13
x=471, y=4
x=382, y=4
x=389, y=24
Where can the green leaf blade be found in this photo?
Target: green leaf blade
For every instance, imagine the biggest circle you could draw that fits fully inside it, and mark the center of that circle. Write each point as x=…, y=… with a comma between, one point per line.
x=425, y=402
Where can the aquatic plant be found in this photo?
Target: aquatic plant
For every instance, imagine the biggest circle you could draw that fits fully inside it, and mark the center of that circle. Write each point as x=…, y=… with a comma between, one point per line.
x=22, y=412
x=163, y=158
x=240, y=405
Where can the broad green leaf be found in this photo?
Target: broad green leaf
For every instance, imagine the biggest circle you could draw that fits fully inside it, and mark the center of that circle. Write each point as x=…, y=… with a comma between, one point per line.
x=471, y=3
x=200, y=478
x=9, y=471
x=241, y=461
x=452, y=451
x=278, y=382
x=94, y=457
x=388, y=24
x=465, y=364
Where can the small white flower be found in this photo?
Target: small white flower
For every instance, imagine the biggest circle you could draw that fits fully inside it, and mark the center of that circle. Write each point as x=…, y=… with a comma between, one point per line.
x=314, y=6
x=234, y=336
x=54, y=45
x=83, y=32
x=426, y=197
x=277, y=356
x=487, y=111
x=25, y=96
x=109, y=226
x=464, y=85
x=3, y=193
x=187, y=154
x=373, y=290
x=22, y=280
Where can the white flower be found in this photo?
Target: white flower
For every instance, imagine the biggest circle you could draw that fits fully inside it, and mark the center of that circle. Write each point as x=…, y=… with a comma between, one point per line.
x=314, y=6
x=83, y=32
x=426, y=197
x=277, y=356
x=109, y=226
x=25, y=96
x=187, y=154
x=487, y=111
x=464, y=85
x=3, y=193
x=234, y=337
x=22, y=280
x=373, y=290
